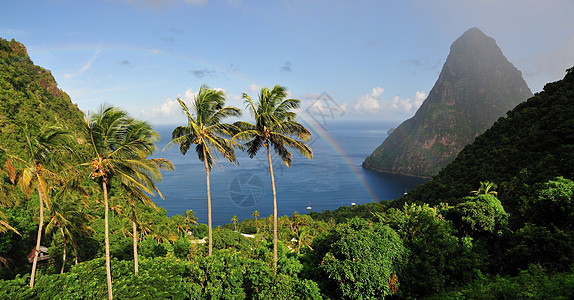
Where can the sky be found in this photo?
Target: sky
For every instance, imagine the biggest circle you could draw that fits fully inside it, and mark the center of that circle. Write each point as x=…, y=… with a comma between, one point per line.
x=362, y=60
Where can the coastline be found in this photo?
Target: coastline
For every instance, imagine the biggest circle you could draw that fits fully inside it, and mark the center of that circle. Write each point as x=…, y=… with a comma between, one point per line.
x=394, y=173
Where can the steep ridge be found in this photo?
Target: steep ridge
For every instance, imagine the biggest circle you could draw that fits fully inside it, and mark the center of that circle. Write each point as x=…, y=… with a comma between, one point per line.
x=29, y=96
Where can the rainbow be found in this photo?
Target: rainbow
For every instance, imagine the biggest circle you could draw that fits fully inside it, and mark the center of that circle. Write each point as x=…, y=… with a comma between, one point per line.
x=333, y=144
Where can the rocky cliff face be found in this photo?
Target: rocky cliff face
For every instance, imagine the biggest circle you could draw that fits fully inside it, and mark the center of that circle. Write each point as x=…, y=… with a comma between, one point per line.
x=477, y=85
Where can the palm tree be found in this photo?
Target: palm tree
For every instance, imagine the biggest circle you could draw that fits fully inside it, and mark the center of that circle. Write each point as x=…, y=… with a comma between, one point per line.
x=190, y=219
x=6, y=199
x=184, y=224
x=163, y=233
x=4, y=225
x=116, y=154
x=205, y=129
x=255, y=215
x=40, y=160
x=234, y=220
x=66, y=216
x=149, y=175
x=302, y=237
x=486, y=188
x=275, y=126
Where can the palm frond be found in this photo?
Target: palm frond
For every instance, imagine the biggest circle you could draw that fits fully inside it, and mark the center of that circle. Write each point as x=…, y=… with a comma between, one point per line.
x=299, y=146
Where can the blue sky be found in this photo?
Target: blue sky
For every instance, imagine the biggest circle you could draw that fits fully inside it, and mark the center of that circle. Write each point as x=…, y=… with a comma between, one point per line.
x=377, y=60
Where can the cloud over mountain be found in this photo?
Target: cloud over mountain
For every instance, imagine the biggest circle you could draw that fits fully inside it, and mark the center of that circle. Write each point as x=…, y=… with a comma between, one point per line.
x=373, y=103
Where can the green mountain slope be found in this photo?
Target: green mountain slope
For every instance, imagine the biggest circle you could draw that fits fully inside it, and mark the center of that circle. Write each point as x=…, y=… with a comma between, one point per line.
x=476, y=86
x=29, y=96
x=533, y=144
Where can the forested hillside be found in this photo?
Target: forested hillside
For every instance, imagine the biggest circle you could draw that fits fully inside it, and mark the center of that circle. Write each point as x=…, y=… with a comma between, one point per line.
x=533, y=143
x=29, y=96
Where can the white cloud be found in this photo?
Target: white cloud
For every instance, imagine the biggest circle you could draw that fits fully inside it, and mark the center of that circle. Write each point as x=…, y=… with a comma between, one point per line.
x=254, y=88
x=377, y=91
x=235, y=100
x=85, y=67
x=9, y=32
x=369, y=103
x=420, y=97
x=373, y=103
x=170, y=108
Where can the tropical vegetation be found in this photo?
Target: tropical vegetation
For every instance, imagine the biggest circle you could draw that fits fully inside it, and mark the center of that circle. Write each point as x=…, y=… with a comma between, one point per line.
x=496, y=223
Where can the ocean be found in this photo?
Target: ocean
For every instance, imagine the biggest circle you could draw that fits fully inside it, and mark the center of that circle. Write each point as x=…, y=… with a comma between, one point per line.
x=333, y=178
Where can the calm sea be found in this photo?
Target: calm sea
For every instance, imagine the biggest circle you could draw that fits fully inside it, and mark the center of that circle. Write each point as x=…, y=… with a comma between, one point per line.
x=333, y=178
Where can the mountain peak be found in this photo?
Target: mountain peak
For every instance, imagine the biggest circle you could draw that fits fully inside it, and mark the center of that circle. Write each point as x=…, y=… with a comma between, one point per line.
x=476, y=86
x=473, y=32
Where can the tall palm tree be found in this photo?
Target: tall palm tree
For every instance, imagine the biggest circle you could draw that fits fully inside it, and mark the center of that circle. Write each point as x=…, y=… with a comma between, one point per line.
x=205, y=129
x=40, y=161
x=275, y=127
x=142, y=131
x=116, y=154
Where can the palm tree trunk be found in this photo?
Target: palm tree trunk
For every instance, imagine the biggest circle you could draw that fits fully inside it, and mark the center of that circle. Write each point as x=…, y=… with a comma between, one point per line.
x=63, y=255
x=274, y=209
x=75, y=254
x=208, y=203
x=135, y=235
x=39, y=237
x=107, y=242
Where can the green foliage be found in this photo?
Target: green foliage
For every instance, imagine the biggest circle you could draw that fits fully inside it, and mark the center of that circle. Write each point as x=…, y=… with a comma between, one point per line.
x=29, y=95
x=151, y=248
x=479, y=214
x=552, y=204
x=532, y=283
x=13, y=247
x=16, y=288
x=181, y=248
x=551, y=248
x=343, y=213
x=225, y=275
x=437, y=258
x=363, y=258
